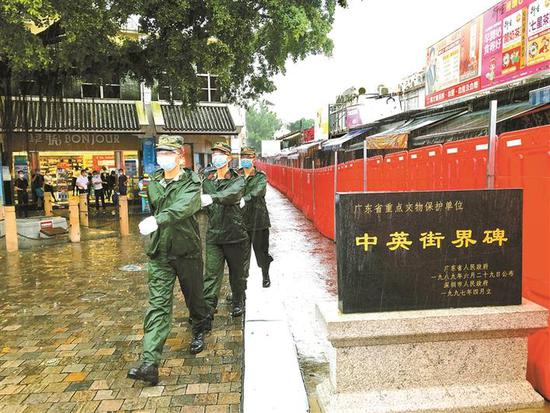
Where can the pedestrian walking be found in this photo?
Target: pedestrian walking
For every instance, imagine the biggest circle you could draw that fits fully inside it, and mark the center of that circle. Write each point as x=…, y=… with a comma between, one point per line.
x=37, y=187
x=49, y=186
x=122, y=182
x=255, y=213
x=175, y=251
x=97, y=183
x=76, y=174
x=111, y=182
x=226, y=237
x=122, y=186
x=82, y=182
x=21, y=188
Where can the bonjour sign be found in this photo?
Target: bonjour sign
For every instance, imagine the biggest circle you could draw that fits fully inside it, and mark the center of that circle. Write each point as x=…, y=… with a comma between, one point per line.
x=427, y=250
x=75, y=141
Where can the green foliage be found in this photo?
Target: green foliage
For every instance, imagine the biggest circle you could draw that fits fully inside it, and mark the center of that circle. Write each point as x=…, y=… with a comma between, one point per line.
x=261, y=124
x=244, y=42
x=300, y=124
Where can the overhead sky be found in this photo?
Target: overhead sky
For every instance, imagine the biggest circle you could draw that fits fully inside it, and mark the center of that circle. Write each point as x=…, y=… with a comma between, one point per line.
x=375, y=42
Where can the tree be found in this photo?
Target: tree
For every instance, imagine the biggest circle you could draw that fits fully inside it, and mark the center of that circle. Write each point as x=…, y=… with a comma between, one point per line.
x=300, y=124
x=261, y=124
x=244, y=42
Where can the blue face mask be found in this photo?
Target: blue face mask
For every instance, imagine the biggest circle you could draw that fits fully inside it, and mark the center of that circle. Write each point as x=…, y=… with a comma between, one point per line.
x=219, y=161
x=167, y=162
x=246, y=163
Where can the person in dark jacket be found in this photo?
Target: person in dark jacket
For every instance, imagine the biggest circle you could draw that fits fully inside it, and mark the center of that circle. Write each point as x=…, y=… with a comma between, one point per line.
x=256, y=215
x=226, y=237
x=175, y=251
x=21, y=187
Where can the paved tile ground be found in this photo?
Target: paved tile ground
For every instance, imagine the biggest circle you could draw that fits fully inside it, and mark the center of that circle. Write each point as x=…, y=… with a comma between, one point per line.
x=71, y=326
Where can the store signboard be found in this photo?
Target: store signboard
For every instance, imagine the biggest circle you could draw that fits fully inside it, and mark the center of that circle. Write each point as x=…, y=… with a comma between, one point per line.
x=46, y=224
x=100, y=161
x=309, y=134
x=74, y=142
x=510, y=41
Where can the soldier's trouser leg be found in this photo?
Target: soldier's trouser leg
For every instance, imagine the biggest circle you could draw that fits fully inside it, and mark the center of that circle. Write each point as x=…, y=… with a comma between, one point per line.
x=236, y=256
x=248, y=256
x=260, y=243
x=158, y=318
x=189, y=271
x=213, y=274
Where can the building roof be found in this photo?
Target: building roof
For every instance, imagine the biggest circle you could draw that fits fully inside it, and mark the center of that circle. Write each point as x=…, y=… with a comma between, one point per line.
x=73, y=116
x=204, y=119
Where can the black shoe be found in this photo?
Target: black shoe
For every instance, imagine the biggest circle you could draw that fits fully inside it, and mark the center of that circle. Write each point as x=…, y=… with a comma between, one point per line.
x=197, y=344
x=266, y=282
x=145, y=372
x=238, y=309
x=229, y=298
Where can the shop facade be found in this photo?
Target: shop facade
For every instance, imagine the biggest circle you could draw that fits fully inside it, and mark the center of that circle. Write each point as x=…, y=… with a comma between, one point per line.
x=62, y=138
x=64, y=155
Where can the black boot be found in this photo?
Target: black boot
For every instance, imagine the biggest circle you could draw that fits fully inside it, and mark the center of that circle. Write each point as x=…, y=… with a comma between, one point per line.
x=147, y=372
x=197, y=344
x=237, y=308
x=266, y=282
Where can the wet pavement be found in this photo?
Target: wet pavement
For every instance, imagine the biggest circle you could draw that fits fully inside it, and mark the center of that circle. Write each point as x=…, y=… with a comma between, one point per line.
x=71, y=325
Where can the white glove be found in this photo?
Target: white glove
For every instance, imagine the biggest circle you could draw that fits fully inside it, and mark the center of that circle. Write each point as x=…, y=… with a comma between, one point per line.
x=206, y=200
x=148, y=225
x=241, y=203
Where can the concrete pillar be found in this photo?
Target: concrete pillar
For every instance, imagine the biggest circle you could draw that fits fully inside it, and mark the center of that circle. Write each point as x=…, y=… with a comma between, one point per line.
x=74, y=220
x=84, y=210
x=123, y=216
x=119, y=160
x=34, y=161
x=12, y=244
x=48, y=207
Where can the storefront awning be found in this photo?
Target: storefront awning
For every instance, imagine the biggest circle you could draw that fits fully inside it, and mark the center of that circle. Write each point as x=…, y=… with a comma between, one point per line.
x=471, y=123
x=75, y=116
x=307, y=146
x=204, y=119
x=397, y=137
x=336, y=144
x=287, y=153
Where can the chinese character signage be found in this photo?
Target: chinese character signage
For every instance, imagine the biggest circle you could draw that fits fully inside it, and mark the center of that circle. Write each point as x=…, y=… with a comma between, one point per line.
x=425, y=250
x=508, y=42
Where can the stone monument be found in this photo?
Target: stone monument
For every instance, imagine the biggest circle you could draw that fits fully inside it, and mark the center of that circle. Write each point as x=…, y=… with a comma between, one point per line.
x=429, y=315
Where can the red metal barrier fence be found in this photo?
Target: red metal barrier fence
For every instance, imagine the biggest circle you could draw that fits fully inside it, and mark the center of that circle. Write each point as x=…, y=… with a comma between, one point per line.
x=522, y=161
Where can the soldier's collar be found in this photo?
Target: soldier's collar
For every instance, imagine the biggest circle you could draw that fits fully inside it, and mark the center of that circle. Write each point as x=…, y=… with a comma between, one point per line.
x=178, y=177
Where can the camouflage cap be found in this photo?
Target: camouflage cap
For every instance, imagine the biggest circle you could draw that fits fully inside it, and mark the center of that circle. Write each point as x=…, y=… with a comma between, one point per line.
x=248, y=151
x=169, y=143
x=223, y=147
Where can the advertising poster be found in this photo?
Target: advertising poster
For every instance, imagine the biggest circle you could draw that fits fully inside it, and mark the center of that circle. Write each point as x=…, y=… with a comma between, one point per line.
x=508, y=42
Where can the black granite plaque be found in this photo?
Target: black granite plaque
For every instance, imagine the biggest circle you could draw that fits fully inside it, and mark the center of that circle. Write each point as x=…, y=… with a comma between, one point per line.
x=425, y=250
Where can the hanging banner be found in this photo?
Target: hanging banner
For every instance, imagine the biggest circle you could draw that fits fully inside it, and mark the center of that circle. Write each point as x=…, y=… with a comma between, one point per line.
x=508, y=42
x=149, y=158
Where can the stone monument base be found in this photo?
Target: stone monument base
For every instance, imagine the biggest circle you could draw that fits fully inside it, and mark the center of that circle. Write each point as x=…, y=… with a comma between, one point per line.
x=451, y=360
